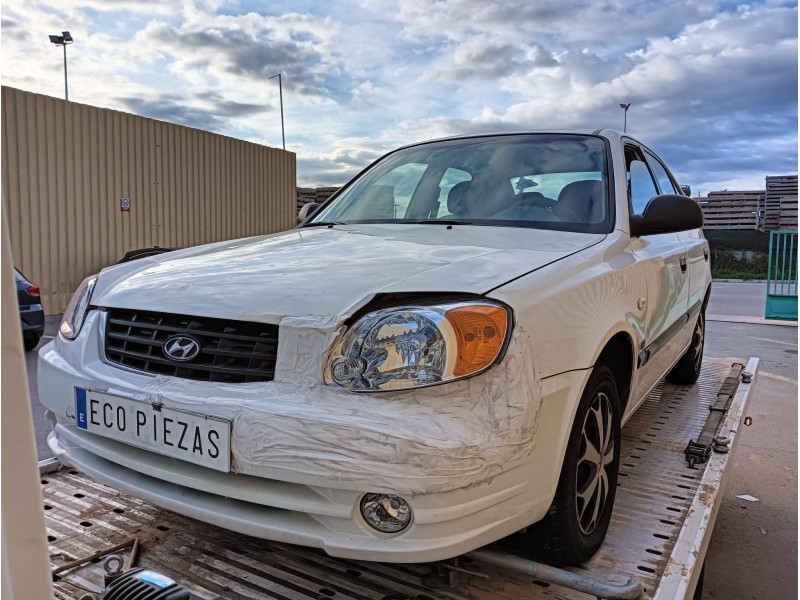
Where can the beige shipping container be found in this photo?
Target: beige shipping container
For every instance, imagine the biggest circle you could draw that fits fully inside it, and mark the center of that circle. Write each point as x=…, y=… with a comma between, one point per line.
x=67, y=167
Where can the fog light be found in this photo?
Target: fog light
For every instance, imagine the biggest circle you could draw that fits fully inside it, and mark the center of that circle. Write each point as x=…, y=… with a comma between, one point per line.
x=387, y=514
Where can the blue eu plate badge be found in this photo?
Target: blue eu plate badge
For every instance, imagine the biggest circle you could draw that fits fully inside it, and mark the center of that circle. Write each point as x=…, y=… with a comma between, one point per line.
x=80, y=405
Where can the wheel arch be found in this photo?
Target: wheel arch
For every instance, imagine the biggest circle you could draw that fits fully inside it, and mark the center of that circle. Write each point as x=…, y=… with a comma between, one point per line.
x=707, y=297
x=619, y=355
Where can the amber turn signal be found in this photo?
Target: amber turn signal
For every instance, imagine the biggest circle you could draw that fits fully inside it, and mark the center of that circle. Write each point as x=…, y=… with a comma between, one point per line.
x=480, y=331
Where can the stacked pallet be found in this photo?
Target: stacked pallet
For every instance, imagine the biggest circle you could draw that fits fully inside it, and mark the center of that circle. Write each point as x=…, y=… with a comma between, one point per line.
x=781, y=202
x=733, y=210
x=304, y=196
x=318, y=195
x=323, y=193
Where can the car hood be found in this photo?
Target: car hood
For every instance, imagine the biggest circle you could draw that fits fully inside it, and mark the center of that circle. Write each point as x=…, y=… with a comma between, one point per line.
x=330, y=272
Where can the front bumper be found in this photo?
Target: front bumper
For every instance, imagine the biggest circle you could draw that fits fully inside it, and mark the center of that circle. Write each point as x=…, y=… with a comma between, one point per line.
x=444, y=525
x=303, y=455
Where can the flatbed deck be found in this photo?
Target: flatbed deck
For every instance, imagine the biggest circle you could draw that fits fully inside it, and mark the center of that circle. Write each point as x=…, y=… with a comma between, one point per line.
x=661, y=525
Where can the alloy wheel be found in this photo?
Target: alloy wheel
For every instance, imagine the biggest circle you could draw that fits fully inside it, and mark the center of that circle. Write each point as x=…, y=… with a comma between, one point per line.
x=698, y=338
x=596, y=456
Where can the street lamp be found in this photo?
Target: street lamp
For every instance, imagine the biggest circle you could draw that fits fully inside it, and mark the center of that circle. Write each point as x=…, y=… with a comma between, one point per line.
x=625, y=107
x=62, y=40
x=280, y=90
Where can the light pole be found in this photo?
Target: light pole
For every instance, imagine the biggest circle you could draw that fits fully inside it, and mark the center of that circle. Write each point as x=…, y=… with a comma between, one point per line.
x=62, y=40
x=280, y=91
x=625, y=107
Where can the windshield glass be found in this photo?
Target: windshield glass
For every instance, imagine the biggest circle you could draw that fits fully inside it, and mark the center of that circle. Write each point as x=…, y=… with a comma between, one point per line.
x=547, y=181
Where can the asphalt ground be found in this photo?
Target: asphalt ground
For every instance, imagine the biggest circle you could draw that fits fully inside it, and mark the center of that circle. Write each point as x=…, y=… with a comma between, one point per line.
x=753, y=550
x=738, y=299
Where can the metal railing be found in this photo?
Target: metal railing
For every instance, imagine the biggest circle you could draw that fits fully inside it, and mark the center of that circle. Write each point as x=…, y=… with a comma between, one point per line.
x=782, y=275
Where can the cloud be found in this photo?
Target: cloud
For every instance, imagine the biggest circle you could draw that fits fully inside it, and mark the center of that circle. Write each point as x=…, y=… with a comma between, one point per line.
x=149, y=7
x=713, y=84
x=173, y=109
x=12, y=29
x=613, y=24
x=229, y=108
x=482, y=58
x=727, y=84
x=252, y=48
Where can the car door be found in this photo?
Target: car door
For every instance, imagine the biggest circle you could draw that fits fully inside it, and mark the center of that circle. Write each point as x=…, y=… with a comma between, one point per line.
x=664, y=264
x=695, y=242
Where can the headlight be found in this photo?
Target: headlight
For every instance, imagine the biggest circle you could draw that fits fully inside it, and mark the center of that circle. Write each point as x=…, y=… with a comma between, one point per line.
x=75, y=312
x=413, y=346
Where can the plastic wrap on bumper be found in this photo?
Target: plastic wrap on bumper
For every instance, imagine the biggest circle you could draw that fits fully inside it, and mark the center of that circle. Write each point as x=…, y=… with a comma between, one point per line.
x=296, y=429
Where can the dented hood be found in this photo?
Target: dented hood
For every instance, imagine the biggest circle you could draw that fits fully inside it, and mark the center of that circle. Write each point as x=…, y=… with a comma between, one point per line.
x=330, y=272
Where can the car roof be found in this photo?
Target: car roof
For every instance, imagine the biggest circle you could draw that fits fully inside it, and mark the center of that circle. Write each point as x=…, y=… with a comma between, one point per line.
x=610, y=134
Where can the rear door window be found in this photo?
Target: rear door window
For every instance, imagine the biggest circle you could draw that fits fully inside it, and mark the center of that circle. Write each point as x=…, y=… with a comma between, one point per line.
x=665, y=182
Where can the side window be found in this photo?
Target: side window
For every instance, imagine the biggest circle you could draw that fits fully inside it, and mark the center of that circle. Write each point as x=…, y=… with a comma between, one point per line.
x=642, y=186
x=664, y=181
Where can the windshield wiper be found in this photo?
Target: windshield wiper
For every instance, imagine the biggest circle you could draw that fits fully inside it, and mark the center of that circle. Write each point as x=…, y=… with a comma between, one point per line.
x=391, y=222
x=324, y=223
x=436, y=222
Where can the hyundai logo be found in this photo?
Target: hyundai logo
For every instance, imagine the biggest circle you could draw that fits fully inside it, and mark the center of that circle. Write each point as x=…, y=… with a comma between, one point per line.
x=181, y=348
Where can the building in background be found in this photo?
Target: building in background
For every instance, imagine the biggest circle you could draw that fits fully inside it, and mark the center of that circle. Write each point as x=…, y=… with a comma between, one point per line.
x=83, y=185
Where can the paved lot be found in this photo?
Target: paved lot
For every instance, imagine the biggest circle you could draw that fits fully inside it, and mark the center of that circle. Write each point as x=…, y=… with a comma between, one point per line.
x=738, y=299
x=753, y=552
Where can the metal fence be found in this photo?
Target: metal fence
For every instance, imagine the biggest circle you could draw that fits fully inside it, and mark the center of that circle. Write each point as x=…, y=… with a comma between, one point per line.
x=782, y=276
x=83, y=185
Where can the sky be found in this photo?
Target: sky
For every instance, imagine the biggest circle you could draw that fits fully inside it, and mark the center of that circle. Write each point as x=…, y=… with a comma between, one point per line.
x=712, y=84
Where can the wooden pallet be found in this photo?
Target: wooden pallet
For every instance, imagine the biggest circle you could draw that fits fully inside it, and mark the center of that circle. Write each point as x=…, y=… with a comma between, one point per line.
x=318, y=195
x=733, y=210
x=781, y=202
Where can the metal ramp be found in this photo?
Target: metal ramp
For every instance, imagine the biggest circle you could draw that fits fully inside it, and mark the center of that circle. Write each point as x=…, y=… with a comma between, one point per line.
x=657, y=494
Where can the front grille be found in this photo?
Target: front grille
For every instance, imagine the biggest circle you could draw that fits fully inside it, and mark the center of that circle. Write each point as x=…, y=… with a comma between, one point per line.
x=230, y=351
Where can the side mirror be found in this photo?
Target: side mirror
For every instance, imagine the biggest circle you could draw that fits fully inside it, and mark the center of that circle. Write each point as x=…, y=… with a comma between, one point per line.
x=667, y=213
x=307, y=210
x=687, y=190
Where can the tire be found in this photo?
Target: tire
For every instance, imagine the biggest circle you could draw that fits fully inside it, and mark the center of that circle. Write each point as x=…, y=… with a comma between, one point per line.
x=687, y=371
x=30, y=343
x=576, y=525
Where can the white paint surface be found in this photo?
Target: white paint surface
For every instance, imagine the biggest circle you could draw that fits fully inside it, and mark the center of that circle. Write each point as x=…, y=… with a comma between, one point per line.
x=477, y=458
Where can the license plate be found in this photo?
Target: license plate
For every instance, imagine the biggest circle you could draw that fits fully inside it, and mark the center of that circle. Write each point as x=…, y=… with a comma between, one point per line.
x=195, y=438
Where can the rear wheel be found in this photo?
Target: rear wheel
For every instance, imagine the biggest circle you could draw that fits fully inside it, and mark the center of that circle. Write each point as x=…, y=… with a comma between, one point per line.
x=687, y=371
x=578, y=519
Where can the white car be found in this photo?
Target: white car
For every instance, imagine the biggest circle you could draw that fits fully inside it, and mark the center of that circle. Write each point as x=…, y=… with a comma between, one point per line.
x=441, y=355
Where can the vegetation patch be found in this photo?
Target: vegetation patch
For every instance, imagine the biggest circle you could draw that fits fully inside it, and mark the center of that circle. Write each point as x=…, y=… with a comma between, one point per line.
x=725, y=265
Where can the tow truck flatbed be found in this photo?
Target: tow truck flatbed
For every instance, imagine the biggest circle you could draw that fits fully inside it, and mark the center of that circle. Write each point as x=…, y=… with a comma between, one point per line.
x=662, y=522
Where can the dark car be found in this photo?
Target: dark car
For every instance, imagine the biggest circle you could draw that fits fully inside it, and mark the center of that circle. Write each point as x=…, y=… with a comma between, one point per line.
x=31, y=313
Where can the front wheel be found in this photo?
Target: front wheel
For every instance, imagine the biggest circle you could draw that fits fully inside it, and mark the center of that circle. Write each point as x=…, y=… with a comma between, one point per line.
x=577, y=521
x=687, y=370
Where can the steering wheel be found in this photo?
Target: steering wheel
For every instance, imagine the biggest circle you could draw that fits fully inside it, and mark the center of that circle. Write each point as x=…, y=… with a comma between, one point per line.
x=566, y=214
x=535, y=199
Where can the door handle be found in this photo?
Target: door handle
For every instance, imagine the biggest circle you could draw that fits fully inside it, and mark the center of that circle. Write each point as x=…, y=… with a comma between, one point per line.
x=683, y=264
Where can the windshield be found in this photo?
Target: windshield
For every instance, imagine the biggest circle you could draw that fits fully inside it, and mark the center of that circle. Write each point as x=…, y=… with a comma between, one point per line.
x=547, y=181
